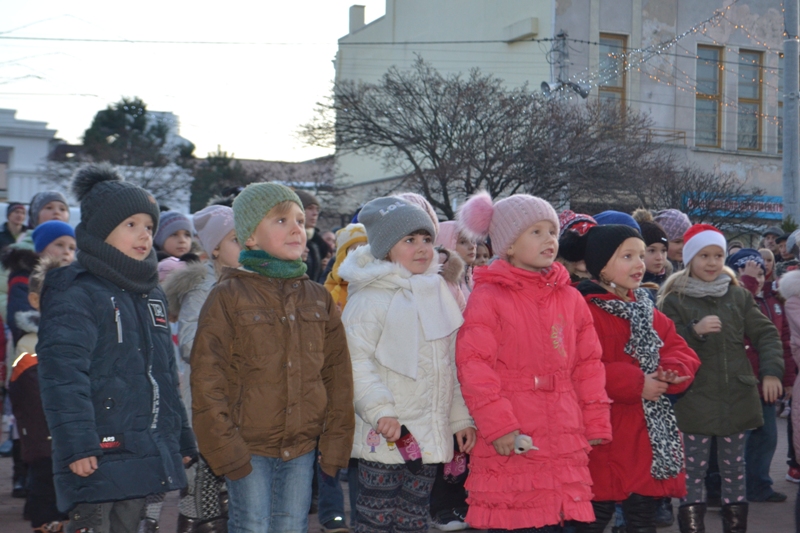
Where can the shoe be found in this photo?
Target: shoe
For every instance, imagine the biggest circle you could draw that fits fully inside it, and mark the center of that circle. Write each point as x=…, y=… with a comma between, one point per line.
x=19, y=490
x=449, y=520
x=186, y=524
x=148, y=525
x=776, y=497
x=52, y=527
x=734, y=518
x=664, y=514
x=336, y=524
x=6, y=448
x=691, y=518
x=793, y=475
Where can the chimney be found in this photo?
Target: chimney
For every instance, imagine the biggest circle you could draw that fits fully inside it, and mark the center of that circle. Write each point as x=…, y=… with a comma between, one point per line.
x=356, y=18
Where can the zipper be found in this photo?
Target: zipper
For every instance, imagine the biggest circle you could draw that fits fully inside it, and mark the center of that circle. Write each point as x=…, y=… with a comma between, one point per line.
x=117, y=320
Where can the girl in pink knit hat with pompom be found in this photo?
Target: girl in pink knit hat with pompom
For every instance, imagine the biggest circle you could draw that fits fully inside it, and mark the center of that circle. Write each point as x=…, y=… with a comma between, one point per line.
x=529, y=365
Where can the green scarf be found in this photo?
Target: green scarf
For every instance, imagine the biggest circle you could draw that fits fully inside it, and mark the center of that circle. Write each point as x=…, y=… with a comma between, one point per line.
x=261, y=262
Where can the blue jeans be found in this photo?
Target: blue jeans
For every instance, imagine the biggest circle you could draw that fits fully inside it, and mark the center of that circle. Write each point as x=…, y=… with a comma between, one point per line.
x=273, y=498
x=758, y=453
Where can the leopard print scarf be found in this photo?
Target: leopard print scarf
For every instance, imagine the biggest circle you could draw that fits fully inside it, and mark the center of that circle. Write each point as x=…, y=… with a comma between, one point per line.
x=644, y=345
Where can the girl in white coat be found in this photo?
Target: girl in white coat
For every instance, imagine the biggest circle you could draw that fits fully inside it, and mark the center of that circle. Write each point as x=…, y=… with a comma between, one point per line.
x=401, y=323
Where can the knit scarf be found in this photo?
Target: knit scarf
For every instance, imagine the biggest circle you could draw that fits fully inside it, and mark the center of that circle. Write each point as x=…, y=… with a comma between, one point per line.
x=261, y=262
x=644, y=345
x=105, y=261
x=700, y=289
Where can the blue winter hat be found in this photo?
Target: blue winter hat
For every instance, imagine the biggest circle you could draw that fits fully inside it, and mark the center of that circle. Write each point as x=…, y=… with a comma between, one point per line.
x=740, y=259
x=51, y=230
x=615, y=217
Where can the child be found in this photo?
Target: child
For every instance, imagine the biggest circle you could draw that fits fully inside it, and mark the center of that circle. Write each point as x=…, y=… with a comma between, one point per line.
x=645, y=359
x=401, y=323
x=714, y=314
x=29, y=415
x=106, y=365
x=580, y=224
x=187, y=290
x=450, y=238
x=529, y=364
x=769, y=264
x=482, y=254
x=347, y=239
x=675, y=225
x=271, y=372
x=174, y=235
x=762, y=442
x=657, y=267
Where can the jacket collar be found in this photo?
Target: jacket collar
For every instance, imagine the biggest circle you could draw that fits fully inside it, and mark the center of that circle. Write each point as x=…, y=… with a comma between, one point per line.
x=501, y=273
x=361, y=269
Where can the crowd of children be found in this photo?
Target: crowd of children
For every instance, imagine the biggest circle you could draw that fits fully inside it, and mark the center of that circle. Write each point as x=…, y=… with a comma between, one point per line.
x=514, y=369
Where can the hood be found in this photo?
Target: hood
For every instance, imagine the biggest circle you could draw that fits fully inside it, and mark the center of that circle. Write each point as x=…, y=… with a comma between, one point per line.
x=453, y=270
x=182, y=282
x=501, y=273
x=17, y=259
x=789, y=284
x=27, y=321
x=361, y=269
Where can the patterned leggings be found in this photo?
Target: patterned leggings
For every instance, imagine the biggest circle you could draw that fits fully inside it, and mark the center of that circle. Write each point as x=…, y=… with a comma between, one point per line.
x=391, y=498
x=730, y=455
x=201, y=498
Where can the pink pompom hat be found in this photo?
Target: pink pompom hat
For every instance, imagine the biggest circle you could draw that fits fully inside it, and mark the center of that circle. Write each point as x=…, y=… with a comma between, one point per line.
x=503, y=221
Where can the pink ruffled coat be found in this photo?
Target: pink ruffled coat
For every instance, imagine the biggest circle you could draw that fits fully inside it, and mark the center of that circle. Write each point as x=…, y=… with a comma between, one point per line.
x=528, y=359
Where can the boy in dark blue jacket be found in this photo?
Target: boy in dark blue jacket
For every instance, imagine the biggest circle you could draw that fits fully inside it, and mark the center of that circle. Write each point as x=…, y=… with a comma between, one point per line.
x=106, y=366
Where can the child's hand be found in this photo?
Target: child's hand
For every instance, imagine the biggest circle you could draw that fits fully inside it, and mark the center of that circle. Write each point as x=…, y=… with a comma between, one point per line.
x=84, y=467
x=389, y=428
x=709, y=324
x=505, y=444
x=466, y=439
x=669, y=376
x=751, y=269
x=771, y=388
x=653, y=387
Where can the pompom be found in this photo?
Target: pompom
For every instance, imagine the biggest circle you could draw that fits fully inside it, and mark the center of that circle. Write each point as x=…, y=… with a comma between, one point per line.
x=643, y=215
x=475, y=216
x=572, y=246
x=89, y=176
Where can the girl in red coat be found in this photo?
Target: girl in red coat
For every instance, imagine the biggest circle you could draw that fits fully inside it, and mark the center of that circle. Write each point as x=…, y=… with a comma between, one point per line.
x=529, y=364
x=645, y=359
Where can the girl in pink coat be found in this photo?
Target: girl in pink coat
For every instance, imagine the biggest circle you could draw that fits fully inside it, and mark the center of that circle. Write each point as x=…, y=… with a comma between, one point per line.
x=528, y=361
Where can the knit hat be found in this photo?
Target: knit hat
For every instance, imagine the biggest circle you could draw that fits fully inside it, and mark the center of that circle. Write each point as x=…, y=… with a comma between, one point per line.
x=448, y=235
x=389, y=219
x=503, y=221
x=212, y=224
x=254, y=202
x=674, y=222
x=49, y=231
x=168, y=266
x=171, y=222
x=772, y=230
x=575, y=221
x=40, y=200
x=307, y=199
x=698, y=237
x=740, y=259
x=597, y=246
x=350, y=235
x=782, y=238
x=616, y=217
x=419, y=200
x=12, y=206
x=653, y=233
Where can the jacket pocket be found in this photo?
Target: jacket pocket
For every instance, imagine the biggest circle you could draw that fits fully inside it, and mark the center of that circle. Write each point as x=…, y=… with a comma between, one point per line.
x=255, y=317
x=312, y=340
x=748, y=380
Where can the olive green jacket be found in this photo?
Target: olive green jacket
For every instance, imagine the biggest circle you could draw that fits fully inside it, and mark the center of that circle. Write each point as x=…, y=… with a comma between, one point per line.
x=723, y=398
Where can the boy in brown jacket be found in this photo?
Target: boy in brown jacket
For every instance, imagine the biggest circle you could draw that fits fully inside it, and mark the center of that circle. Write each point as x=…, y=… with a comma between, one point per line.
x=271, y=371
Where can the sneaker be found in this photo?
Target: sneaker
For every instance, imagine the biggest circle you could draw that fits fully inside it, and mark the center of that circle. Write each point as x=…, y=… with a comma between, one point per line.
x=52, y=527
x=776, y=497
x=19, y=490
x=449, y=521
x=336, y=524
x=793, y=475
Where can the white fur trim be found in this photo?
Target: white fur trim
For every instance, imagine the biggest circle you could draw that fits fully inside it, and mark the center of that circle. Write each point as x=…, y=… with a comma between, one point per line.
x=700, y=241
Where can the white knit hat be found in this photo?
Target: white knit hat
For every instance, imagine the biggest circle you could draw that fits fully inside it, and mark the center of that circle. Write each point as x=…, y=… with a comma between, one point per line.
x=698, y=237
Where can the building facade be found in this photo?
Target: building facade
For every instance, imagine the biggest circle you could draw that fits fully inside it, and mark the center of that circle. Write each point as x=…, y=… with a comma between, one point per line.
x=24, y=146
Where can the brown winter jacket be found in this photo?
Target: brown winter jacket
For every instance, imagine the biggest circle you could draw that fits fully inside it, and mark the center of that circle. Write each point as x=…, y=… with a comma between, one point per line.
x=270, y=374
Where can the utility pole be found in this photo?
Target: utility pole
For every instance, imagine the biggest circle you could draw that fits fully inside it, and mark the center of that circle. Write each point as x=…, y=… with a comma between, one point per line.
x=791, y=117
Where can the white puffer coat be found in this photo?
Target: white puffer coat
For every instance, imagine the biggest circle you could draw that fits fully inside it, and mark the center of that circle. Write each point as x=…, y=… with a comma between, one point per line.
x=425, y=398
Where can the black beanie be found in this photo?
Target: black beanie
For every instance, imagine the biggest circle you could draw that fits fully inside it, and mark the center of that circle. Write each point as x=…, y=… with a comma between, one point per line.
x=596, y=247
x=653, y=233
x=106, y=200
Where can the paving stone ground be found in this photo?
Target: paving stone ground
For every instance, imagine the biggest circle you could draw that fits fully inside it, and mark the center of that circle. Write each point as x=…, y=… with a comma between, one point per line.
x=764, y=517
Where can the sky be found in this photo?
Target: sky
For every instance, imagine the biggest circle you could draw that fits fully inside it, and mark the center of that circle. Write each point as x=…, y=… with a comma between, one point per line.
x=248, y=99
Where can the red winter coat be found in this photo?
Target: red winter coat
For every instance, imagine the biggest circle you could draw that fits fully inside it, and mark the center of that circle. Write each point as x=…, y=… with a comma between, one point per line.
x=528, y=359
x=623, y=467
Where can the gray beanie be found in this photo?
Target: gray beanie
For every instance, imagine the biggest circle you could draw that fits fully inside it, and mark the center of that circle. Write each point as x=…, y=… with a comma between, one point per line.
x=40, y=200
x=389, y=219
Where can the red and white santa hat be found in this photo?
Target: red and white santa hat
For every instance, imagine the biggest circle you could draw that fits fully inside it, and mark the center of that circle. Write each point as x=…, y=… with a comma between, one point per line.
x=698, y=237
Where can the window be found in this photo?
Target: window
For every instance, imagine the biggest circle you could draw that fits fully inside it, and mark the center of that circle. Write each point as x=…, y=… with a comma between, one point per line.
x=709, y=96
x=749, y=129
x=612, y=65
x=5, y=154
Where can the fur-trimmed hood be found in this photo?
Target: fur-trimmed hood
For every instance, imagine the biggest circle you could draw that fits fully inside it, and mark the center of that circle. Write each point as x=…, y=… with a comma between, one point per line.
x=453, y=270
x=361, y=269
x=789, y=284
x=182, y=282
x=28, y=321
x=16, y=259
